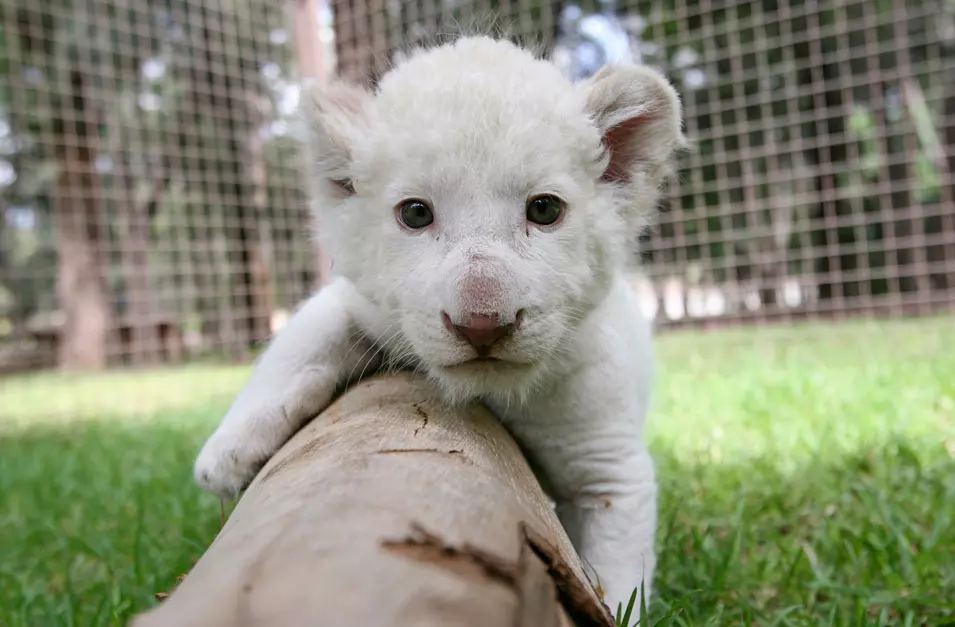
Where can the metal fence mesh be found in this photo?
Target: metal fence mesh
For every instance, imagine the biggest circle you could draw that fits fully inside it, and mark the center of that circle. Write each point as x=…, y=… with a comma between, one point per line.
x=151, y=198
x=152, y=202
x=820, y=183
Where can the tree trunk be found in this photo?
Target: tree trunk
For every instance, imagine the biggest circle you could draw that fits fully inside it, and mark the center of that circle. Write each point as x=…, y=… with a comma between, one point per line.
x=948, y=183
x=311, y=67
x=141, y=190
x=390, y=509
x=259, y=240
x=242, y=317
x=83, y=294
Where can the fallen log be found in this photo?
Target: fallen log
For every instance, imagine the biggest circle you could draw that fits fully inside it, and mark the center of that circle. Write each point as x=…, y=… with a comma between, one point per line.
x=390, y=509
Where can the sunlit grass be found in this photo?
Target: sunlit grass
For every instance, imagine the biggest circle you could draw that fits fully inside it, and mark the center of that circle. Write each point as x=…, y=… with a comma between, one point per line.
x=807, y=477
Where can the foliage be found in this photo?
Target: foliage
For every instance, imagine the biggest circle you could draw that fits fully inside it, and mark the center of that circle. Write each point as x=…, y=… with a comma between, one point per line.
x=171, y=93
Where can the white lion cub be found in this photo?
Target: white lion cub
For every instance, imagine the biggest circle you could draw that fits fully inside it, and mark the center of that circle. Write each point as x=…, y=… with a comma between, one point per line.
x=480, y=210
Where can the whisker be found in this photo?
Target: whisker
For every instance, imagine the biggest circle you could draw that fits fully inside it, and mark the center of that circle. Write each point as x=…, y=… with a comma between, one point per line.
x=373, y=346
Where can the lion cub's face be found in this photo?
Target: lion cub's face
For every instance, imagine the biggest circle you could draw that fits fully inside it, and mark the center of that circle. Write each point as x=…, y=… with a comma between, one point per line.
x=483, y=202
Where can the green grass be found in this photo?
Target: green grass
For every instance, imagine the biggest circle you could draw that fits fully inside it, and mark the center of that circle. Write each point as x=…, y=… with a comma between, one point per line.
x=807, y=478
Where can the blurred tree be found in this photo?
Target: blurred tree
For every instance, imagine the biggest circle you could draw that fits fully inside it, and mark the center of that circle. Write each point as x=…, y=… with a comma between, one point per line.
x=157, y=121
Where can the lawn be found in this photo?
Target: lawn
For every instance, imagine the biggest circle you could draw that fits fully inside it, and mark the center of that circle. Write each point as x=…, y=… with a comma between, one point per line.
x=808, y=478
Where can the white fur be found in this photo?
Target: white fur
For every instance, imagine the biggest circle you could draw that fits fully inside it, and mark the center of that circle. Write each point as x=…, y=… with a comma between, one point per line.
x=476, y=127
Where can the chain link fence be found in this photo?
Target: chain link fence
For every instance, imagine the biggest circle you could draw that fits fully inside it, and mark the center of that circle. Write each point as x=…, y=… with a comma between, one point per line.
x=820, y=184
x=152, y=206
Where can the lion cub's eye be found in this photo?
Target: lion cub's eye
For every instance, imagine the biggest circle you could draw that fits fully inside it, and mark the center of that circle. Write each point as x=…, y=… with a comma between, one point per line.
x=415, y=214
x=544, y=210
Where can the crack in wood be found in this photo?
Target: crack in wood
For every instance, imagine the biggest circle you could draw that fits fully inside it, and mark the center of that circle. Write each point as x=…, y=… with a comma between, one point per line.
x=424, y=418
x=392, y=451
x=581, y=604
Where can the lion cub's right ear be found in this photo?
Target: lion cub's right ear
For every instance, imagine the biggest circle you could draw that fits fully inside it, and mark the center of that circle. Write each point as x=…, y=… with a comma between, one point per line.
x=639, y=116
x=336, y=116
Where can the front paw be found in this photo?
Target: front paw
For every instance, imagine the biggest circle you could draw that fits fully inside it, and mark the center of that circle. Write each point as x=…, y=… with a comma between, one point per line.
x=227, y=464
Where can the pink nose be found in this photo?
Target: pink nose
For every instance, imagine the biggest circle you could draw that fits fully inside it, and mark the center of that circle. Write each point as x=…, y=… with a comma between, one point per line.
x=482, y=331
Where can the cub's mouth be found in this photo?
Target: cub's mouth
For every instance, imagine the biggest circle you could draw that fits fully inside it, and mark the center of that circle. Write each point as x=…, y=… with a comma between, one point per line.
x=487, y=362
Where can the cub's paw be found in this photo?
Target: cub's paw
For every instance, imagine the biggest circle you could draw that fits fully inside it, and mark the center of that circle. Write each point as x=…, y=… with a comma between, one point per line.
x=227, y=464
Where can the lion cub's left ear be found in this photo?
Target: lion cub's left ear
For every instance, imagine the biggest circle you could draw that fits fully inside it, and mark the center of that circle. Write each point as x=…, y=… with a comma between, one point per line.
x=336, y=116
x=639, y=115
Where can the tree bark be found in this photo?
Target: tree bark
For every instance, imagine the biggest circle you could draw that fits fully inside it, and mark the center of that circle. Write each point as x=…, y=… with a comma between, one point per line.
x=260, y=243
x=141, y=191
x=390, y=508
x=311, y=67
x=83, y=293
